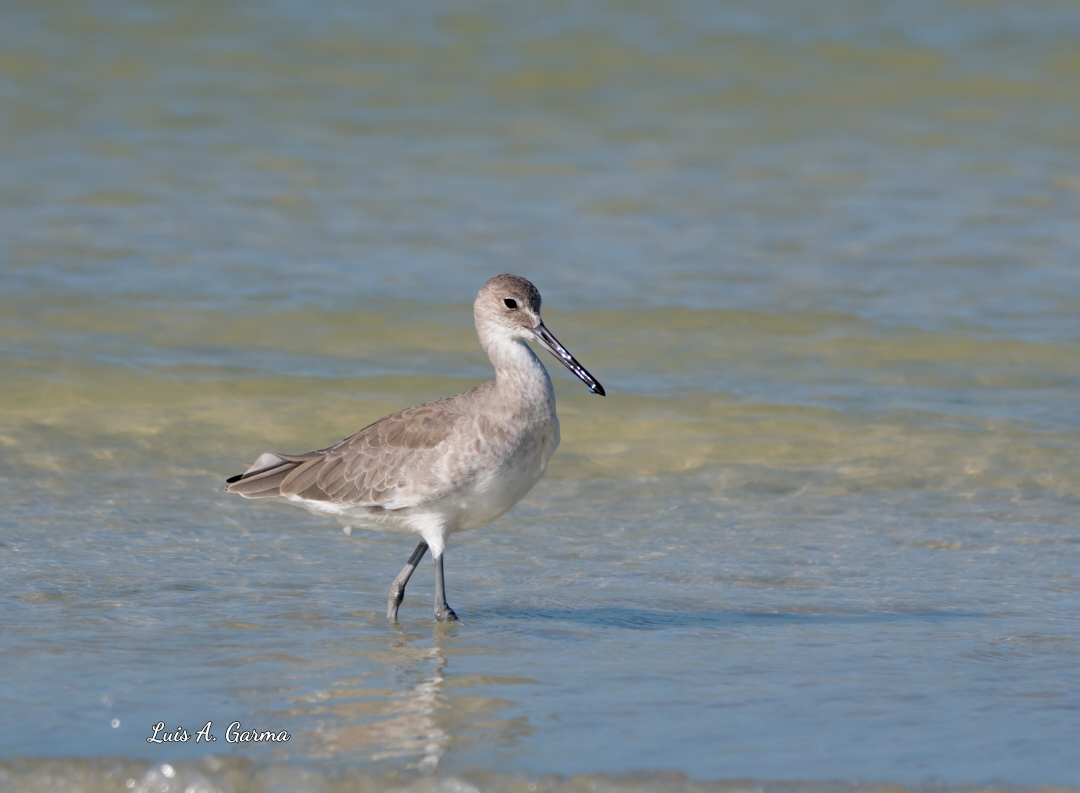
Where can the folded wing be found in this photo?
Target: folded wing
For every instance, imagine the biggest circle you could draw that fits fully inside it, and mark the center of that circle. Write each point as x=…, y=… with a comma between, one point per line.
x=389, y=460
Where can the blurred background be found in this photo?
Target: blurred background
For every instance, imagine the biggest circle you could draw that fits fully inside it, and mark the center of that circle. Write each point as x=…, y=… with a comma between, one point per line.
x=824, y=257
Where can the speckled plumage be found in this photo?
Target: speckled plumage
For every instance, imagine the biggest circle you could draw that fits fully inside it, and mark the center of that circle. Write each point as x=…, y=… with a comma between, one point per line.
x=445, y=466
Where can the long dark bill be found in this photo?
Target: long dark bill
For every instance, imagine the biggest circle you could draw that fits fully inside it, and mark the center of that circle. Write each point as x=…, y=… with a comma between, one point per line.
x=545, y=339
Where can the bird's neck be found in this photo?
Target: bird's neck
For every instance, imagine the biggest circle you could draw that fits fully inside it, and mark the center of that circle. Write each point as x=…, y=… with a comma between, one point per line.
x=519, y=373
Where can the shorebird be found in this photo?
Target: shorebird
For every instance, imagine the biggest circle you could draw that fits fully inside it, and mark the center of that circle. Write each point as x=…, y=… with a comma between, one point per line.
x=445, y=466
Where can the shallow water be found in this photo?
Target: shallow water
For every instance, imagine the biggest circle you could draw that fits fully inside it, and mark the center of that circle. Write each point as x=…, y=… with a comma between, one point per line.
x=824, y=258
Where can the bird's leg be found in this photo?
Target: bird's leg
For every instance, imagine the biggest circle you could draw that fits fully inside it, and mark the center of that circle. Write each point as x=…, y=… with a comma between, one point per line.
x=443, y=613
x=397, y=589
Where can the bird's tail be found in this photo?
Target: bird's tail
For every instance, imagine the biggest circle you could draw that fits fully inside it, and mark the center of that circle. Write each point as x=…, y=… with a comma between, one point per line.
x=264, y=477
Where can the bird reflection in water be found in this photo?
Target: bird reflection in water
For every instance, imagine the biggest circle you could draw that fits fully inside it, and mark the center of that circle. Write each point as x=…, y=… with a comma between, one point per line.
x=406, y=721
x=418, y=722
x=416, y=731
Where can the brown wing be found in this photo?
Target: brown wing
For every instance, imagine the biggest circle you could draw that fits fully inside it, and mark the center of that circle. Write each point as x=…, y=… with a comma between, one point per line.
x=388, y=462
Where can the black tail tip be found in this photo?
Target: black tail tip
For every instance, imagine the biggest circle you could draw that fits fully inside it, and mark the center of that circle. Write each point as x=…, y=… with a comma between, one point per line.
x=232, y=479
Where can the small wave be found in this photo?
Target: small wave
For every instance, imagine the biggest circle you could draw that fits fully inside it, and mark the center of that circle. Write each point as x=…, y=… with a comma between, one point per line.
x=238, y=775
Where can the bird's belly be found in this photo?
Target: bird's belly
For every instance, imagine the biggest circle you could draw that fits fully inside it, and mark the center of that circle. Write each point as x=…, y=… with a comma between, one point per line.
x=491, y=497
x=495, y=488
x=363, y=517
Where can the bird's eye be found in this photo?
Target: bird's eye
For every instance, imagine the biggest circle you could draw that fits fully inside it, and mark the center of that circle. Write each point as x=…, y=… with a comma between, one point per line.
x=510, y=303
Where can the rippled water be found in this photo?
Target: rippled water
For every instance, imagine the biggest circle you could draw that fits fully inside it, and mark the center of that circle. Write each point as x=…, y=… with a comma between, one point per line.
x=824, y=257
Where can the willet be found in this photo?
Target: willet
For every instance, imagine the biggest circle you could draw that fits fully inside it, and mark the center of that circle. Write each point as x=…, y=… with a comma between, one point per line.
x=441, y=467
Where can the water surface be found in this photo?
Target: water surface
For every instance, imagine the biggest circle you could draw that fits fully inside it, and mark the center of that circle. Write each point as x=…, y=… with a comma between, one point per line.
x=823, y=258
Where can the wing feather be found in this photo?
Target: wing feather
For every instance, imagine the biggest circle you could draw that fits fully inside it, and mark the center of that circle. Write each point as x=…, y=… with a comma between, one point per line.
x=303, y=476
x=265, y=485
x=388, y=462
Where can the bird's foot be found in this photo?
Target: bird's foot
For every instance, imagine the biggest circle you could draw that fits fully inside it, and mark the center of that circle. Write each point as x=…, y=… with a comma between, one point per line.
x=393, y=602
x=445, y=614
